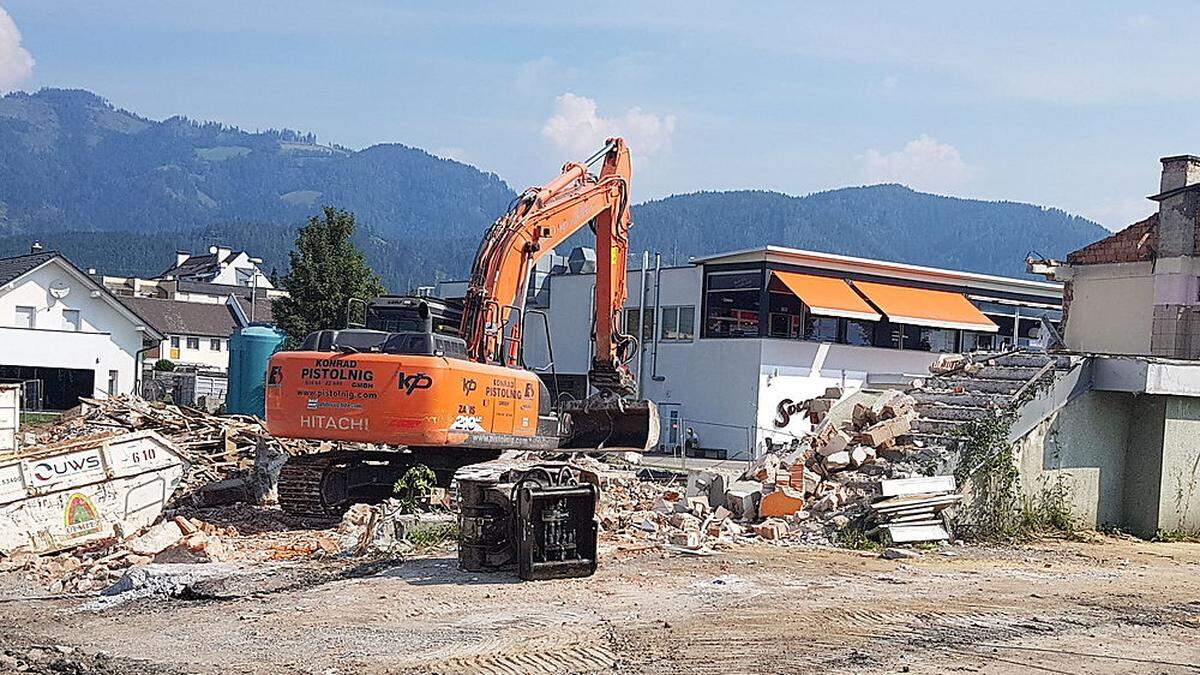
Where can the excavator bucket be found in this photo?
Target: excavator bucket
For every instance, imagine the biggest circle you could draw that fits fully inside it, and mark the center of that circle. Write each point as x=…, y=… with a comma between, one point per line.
x=611, y=424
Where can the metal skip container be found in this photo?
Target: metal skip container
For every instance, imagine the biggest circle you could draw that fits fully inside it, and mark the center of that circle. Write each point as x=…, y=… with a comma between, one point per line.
x=60, y=497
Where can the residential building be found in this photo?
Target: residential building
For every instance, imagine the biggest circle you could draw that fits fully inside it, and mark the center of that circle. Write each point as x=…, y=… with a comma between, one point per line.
x=221, y=266
x=63, y=335
x=197, y=303
x=194, y=333
x=730, y=340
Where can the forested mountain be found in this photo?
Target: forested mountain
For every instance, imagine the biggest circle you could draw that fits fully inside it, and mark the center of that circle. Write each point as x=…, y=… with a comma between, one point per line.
x=121, y=193
x=890, y=222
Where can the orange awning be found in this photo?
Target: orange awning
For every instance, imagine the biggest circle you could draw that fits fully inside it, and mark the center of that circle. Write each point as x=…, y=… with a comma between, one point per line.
x=924, y=307
x=828, y=295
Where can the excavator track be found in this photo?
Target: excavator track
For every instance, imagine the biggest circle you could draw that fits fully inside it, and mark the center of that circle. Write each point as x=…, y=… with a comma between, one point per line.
x=300, y=489
x=320, y=488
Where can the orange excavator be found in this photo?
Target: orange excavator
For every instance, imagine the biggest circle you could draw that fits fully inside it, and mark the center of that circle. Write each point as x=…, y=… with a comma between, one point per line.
x=419, y=385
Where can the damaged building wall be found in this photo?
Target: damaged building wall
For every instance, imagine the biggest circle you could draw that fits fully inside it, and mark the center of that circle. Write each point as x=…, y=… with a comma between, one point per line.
x=1100, y=294
x=1127, y=461
x=1083, y=445
x=1179, y=501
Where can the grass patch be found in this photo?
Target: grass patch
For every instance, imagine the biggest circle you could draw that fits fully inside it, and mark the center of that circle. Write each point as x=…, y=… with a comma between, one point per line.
x=1178, y=536
x=37, y=419
x=433, y=536
x=854, y=537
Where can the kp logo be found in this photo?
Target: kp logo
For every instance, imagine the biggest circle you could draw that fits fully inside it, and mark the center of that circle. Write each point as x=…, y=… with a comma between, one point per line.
x=469, y=385
x=411, y=383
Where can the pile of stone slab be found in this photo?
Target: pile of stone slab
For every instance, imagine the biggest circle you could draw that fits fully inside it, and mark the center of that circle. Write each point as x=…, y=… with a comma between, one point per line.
x=911, y=510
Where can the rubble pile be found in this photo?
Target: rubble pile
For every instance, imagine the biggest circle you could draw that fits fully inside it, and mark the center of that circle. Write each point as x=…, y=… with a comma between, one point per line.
x=807, y=493
x=217, y=448
x=92, y=568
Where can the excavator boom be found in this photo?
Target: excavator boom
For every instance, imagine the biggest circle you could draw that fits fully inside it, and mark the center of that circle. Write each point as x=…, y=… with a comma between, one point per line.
x=540, y=219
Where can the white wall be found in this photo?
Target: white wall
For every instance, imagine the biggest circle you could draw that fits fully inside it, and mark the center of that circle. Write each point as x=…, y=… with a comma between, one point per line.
x=107, y=339
x=228, y=273
x=1112, y=308
x=204, y=356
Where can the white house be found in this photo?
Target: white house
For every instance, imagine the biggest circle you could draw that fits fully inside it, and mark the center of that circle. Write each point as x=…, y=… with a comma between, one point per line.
x=195, y=333
x=731, y=337
x=64, y=334
x=222, y=266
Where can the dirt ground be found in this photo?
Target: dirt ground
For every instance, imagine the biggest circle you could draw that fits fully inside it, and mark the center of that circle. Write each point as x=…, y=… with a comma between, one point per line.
x=1102, y=606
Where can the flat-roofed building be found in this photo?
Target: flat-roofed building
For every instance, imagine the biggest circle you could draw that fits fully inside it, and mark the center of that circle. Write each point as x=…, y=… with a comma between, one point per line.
x=729, y=339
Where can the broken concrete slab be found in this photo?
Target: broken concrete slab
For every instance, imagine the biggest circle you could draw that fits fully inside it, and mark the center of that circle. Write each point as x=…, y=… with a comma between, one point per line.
x=156, y=539
x=837, y=461
x=836, y=442
x=920, y=485
x=742, y=499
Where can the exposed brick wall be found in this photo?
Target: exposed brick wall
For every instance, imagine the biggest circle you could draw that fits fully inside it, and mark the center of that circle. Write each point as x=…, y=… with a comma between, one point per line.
x=1136, y=243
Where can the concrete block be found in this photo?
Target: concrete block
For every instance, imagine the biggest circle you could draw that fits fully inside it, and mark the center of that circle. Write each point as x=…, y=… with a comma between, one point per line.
x=837, y=461
x=742, y=499
x=688, y=539
x=837, y=442
x=686, y=522
x=771, y=529
x=820, y=405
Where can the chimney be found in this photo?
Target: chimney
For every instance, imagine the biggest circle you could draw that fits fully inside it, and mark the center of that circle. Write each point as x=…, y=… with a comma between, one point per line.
x=1177, y=207
x=221, y=252
x=1175, y=327
x=36, y=247
x=181, y=257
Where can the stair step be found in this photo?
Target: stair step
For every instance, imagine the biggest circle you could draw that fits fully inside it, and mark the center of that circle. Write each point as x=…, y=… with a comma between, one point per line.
x=1061, y=362
x=977, y=399
x=1019, y=373
x=942, y=411
x=975, y=385
x=937, y=426
x=933, y=440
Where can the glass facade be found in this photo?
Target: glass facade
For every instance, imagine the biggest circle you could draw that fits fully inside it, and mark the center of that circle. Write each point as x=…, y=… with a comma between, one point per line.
x=734, y=307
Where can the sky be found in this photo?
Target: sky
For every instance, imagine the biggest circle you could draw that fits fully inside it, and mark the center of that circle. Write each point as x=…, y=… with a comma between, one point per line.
x=1061, y=104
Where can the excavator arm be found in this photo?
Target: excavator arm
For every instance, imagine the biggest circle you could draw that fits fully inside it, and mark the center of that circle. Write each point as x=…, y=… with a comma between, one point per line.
x=540, y=219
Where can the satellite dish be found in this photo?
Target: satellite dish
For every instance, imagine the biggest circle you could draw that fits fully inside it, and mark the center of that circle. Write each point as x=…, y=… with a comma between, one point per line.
x=59, y=289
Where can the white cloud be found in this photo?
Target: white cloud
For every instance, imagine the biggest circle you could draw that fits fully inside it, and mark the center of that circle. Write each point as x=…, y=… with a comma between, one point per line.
x=924, y=163
x=15, y=62
x=578, y=129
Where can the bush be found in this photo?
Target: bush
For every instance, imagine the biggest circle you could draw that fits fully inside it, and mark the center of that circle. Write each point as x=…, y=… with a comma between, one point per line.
x=164, y=365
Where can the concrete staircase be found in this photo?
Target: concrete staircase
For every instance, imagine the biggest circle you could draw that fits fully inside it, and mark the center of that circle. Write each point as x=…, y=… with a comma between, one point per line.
x=983, y=387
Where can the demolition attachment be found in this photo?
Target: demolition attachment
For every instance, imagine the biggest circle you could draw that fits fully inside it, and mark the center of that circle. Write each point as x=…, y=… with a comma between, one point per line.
x=610, y=423
x=537, y=518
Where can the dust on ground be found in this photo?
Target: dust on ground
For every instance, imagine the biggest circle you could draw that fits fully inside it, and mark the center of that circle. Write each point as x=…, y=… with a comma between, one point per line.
x=1107, y=605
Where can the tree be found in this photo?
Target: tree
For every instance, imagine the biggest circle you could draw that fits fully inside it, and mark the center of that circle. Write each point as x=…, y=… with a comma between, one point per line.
x=164, y=365
x=326, y=272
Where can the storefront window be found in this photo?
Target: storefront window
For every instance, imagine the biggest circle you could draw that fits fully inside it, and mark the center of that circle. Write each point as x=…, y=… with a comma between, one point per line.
x=860, y=333
x=732, y=304
x=821, y=329
x=922, y=338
